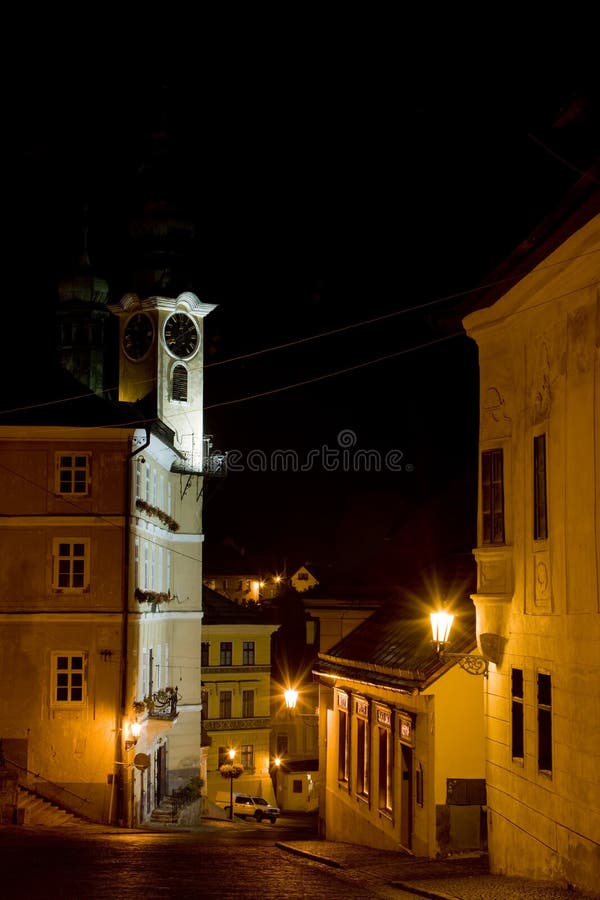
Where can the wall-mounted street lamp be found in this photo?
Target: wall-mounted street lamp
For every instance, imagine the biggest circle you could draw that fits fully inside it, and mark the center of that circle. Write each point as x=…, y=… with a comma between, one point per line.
x=135, y=730
x=441, y=623
x=291, y=698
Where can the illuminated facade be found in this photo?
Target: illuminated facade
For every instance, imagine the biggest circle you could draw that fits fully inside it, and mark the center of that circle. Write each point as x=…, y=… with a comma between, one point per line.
x=236, y=693
x=100, y=582
x=538, y=559
x=401, y=737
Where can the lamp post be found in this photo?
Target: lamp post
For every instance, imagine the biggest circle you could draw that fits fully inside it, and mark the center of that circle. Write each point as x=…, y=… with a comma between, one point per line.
x=441, y=623
x=231, y=758
x=277, y=764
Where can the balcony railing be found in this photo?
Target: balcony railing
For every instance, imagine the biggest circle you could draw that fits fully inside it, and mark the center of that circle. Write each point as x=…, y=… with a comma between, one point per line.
x=162, y=704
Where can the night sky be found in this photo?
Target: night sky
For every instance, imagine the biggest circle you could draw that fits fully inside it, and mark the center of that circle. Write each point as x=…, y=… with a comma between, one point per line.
x=325, y=190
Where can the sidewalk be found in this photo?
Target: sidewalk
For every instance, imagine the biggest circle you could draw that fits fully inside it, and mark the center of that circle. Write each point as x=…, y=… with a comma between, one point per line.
x=464, y=877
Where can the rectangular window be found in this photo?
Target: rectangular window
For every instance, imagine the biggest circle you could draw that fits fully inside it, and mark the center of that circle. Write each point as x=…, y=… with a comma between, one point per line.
x=343, y=745
x=517, y=713
x=385, y=769
x=204, y=702
x=225, y=658
x=223, y=756
x=152, y=566
x=225, y=705
x=419, y=791
x=540, y=510
x=158, y=664
x=144, y=671
x=138, y=478
x=73, y=473
x=362, y=757
x=248, y=757
x=544, y=699
x=248, y=653
x=136, y=562
x=296, y=786
x=282, y=745
x=147, y=484
x=68, y=678
x=492, y=497
x=204, y=654
x=159, y=569
x=146, y=567
x=248, y=704
x=71, y=564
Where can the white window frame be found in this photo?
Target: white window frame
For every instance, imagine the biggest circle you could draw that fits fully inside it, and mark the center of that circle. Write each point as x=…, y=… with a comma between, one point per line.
x=57, y=557
x=68, y=674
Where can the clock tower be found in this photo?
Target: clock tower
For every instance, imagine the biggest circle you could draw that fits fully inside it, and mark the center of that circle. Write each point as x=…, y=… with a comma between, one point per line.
x=161, y=364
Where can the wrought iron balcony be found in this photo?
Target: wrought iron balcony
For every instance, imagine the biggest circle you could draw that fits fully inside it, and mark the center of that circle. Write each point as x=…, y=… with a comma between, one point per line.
x=162, y=704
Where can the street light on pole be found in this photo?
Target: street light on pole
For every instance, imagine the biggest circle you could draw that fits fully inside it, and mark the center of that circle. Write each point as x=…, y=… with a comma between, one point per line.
x=231, y=757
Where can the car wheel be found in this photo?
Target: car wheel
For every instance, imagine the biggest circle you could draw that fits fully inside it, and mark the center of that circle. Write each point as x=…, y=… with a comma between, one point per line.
x=258, y=815
x=274, y=819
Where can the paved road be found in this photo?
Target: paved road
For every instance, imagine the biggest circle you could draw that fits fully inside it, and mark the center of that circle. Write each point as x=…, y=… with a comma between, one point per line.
x=236, y=861
x=228, y=864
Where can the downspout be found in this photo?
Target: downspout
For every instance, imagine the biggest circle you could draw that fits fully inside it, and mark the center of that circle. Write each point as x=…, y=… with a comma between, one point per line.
x=125, y=633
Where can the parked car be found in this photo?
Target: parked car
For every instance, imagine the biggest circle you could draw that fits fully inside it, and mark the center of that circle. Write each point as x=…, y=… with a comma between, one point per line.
x=264, y=810
x=243, y=805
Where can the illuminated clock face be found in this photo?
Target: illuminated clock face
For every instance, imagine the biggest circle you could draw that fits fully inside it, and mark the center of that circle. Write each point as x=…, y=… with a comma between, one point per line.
x=138, y=336
x=181, y=335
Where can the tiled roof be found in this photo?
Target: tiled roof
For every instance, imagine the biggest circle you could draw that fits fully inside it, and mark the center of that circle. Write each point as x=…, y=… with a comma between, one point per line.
x=393, y=646
x=58, y=399
x=220, y=610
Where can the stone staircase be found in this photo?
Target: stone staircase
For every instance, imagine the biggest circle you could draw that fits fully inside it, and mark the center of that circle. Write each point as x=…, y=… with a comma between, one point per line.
x=32, y=809
x=165, y=813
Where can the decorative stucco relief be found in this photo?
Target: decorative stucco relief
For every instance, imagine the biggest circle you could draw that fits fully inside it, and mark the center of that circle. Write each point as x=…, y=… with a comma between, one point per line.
x=579, y=342
x=540, y=385
x=542, y=586
x=495, y=421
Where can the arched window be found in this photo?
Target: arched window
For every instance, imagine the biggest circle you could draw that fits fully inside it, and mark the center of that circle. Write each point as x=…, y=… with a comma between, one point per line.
x=180, y=383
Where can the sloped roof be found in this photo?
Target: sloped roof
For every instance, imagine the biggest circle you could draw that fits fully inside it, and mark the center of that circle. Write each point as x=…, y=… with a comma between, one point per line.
x=220, y=610
x=58, y=399
x=393, y=646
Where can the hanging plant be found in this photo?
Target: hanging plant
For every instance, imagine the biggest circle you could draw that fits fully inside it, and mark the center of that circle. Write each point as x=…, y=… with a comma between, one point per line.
x=139, y=707
x=152, y=596
x=231, y=770
x=162, y=516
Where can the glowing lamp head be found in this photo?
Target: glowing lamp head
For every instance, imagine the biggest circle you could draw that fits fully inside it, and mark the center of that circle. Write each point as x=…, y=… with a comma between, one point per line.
x=136, y=729
x=441, y=623
x=291, y=698
x=232, y=754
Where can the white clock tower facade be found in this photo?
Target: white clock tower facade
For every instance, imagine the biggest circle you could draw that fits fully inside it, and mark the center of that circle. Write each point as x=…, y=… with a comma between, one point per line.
x=161, y=374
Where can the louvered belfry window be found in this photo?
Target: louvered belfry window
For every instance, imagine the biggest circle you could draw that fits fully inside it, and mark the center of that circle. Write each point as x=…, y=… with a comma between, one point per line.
x=180, y=383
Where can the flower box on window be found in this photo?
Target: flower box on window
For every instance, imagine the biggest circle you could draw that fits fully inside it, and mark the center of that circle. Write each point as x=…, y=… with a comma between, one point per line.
x=162, y=516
